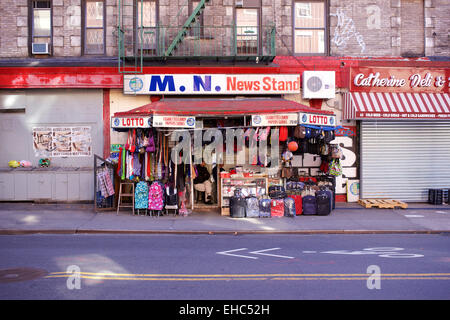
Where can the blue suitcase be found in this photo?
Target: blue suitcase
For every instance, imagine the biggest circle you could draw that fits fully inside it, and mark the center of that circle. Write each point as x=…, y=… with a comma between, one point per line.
x=252, y=207
x=309, y=205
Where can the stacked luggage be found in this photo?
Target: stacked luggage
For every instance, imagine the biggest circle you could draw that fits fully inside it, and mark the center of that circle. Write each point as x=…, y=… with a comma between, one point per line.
x=307, y=197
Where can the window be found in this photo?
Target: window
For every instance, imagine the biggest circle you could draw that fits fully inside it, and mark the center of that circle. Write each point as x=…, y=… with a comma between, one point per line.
x=247, y=31
x=309, y=27
x=41, y=23
x=94, y=27
x=146, y=31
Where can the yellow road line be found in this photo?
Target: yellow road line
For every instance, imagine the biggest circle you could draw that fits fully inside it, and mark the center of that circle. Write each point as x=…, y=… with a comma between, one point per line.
x=226, y=277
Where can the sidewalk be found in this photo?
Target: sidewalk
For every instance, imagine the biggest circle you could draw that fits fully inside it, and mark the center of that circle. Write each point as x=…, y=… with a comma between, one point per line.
x=25, y=218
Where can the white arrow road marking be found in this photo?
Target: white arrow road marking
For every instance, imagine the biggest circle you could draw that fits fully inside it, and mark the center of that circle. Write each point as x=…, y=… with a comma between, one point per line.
x=227, y=253
x=271, y=255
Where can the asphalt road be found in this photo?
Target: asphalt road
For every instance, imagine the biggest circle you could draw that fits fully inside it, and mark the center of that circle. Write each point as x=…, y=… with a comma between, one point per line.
x=242, y=267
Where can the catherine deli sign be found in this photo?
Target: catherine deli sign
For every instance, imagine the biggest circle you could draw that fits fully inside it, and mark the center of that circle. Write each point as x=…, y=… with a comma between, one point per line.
x=193, y=84
x=432, y=80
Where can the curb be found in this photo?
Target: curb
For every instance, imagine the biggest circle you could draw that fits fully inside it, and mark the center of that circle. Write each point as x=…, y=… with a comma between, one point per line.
x=218, y=232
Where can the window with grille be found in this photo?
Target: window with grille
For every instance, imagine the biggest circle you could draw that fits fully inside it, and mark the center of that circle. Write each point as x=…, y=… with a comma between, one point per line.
x=41, y=22
x=310, y=27
x=247, y=31
x=146, y=31
x=94, y=27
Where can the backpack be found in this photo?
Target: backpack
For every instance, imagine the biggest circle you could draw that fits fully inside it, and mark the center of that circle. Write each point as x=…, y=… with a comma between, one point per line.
x=141, y=195
x=299, y=132
x=156, y=196
x=283, y=133
x=171, y=196
x=335, y=167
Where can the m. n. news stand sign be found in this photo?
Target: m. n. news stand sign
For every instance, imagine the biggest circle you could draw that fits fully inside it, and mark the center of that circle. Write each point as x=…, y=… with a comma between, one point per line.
x=201, y=84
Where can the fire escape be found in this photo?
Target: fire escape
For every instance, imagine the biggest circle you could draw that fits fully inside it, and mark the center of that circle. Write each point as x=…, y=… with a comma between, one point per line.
x=142, y=38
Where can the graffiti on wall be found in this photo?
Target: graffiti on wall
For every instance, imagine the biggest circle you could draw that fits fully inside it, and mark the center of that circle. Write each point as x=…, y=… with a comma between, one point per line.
x=346, y=139
x=345, y=30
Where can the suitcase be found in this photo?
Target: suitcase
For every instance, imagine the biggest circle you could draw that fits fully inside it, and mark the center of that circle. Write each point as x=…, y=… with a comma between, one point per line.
x=237, y=205
x=264, y=208
x=252, y=207
x=323, y=202
x=277, y=207
x=331, y=194
x=277, y=192
x=309, y=205
x=298, y=204
x=289, y=207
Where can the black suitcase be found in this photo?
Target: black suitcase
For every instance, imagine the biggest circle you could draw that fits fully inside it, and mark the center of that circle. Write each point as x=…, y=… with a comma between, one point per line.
x=264, y=208
x=289, y=207
x=237, y=205
x=277, y=192
x=323, y=202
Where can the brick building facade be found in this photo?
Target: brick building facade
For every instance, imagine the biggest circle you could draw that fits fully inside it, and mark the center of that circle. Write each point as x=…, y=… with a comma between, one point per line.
x=369, y=28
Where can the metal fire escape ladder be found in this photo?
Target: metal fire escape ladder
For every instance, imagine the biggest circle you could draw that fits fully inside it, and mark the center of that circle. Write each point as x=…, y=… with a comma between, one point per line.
x=185, y=28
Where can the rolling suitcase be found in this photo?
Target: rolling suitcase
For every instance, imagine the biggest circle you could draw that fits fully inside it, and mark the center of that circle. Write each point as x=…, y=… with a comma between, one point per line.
x=252, y=207
x=264, y=208
x=277, y=207
x=309, y=205
x=289, y=207
x=323, y=202
x=298, y=204
x=237, y=205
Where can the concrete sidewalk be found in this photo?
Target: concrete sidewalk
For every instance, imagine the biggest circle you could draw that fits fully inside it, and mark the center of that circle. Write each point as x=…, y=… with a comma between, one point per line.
x=27, y=218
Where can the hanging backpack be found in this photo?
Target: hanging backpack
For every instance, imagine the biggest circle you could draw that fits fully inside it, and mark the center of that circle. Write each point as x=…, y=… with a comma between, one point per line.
x=335, y=168
x=299, y=132
x=283, y=134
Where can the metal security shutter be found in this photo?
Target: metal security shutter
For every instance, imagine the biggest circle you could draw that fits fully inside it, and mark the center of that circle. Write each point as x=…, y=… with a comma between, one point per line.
x=403, y=159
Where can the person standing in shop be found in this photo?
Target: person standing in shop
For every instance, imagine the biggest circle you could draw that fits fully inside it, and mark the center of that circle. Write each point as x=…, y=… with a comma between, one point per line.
x=202, y=182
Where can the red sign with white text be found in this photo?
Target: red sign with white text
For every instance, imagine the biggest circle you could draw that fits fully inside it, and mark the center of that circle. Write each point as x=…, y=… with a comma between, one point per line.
x=423, y=80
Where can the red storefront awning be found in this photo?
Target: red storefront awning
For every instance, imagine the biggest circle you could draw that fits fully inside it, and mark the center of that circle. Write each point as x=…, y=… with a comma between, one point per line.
x=389, y=105
x=219, y=107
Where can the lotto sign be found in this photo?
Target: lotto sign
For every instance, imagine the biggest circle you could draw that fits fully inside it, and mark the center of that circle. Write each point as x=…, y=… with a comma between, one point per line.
x=174, y=121
x=211, y=84
x=281, y=119
x=317, y=119
x=131, y=122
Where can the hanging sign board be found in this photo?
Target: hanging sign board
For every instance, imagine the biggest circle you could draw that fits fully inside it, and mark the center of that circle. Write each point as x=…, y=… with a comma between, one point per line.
x=131, y=122
x=174, y=121
x=216, y=84
x=317, y=119
x=276, y=119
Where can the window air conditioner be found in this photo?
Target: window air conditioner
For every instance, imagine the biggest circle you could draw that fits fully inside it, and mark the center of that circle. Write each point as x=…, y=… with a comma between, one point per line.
x=319, y=84
x=39, y=48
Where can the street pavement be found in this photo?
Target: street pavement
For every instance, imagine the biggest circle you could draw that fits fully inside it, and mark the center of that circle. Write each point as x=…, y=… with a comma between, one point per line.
x=222, y=266
x=17, y=218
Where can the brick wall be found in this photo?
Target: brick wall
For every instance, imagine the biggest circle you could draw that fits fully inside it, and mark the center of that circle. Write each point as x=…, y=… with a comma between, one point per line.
x=356, y=28
x=14, y=28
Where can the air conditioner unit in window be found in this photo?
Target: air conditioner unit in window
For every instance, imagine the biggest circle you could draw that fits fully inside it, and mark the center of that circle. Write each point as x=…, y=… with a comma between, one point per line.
x=319, y=84
x=39, y=48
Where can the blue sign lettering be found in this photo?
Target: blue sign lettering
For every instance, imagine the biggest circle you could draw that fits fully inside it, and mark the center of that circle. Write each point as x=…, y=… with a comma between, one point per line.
x=156, y=82
x=199, y=82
